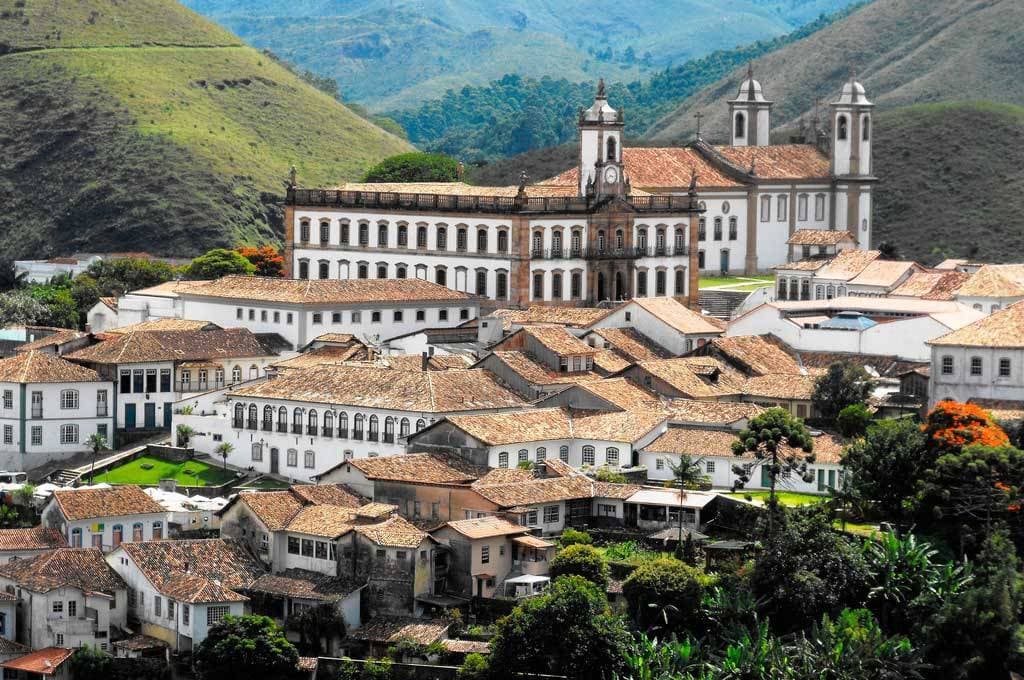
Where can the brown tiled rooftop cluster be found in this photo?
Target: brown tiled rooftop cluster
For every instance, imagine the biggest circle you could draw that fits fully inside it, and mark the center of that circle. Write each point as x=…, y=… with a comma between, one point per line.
x=623, y=393
x=486, y=527
x=392, y=629
x=543, y=424
x=207, y=570
x=76, y=504
x=394, y=532
x=82, y=568
x=704, y=442
x=724, y=412
x=31, y=538
x=376, y=387
x=304, y=585
x=779, y=161
x=277, y=508
x=413, y=467
x=325, y=291
x=40, y=367
x=932, y=285
x=755, y=354
x=780, y=386
x=534, y=372
x=1004, y=328
x=146, y=346
x=849, y=263
x=995, y=280
x=676, y=315
x=162, y=325
x=665, y=167
x=577, y=317
x=631, y=344
x=551, y=490
x=558, y=340
x=696, y=377
x=818, y=237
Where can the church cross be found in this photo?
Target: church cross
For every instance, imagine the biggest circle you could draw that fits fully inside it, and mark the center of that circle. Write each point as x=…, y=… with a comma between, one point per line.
x=699, y=116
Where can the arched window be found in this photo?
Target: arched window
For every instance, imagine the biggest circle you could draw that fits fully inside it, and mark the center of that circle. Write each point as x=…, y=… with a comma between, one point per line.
x=239, y=415
x=312, y=422
x=576, y=285
x=403, y=236
x=819, y=292
x=117, y=532
x=865, y=131
x=76, y=537
x=503, y=459
x=702, y=229
x=620, y=239
x=343, y=425
x=137, y=535
x=680, y=241
x=501, y=285
x=783, y=292
x=382, y=271
x=659, y=241
x=282, y=419
x=268, y=418
x=403, y=428
x=236, y=374
x=718, y=228
x=303, y=269
x=842, y=128
x=363, y=271
x=421, y=237
x=733, y=229
x=442, y=238
x=292, y=458
x=542, y=454
x=364, y=234
x=373, y=433
x=538, y=286
x=324, y=269
x=660, y=282
x=641, y=284
x=556, y=243
x=481, y=282
x=382, y=236
x=574, y=245
x=481, y=240
x=420, y=424
x=304, y=231
x=611, y=456
x=253, y=415
x=441, y=276
x=325, y=232
x=588, y=455
x=298, y=415
x=830, y=292
x=328, y=424
x=741, y=125
x=563, y=454
x=400, y=271
x=257, y=452
x=611, y=149
x=556, y=286
x=310, y=459
x=537, y=244
x=254, y=372
x=389, y=430
x=680, y=281
x=524, y=456
x=641, y=239
x=502, y=241
x=69, y=399
x=357, y=426
x=600, y=241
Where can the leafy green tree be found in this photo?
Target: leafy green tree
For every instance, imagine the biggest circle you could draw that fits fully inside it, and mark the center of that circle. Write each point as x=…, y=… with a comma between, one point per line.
x=781, y=444
x=217, y=263
x=854, y=647
x=976, y=636
x=581, y=560
x=845, y=384
x=57, y=300
x=415, y=167
x=853, y=420
x=567, y=631
x=246, y=648
x=475, y=667
x=89, y=663
x=18, y=308
x=885, y=465
x=907, y=583
x=807, y=569
x=121, y=275
x=666, y=592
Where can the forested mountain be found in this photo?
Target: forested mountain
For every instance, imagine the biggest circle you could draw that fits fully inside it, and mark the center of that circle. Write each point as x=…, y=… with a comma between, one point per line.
x=390, y=54
x=517, y=114
x=142, y=126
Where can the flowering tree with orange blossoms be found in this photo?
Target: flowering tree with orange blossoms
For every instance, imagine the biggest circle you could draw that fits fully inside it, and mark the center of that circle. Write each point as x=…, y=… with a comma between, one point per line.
x=267, y=259
x=953, y=425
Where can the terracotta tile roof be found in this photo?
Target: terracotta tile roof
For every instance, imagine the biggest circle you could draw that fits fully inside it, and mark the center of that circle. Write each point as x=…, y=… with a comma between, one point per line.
x=995, y=280
x=883, y=273
x=328, y=521
x=951, y=263
x=147, y=346
x=675, y=314
x=169, y=289
x=631, y=344
x=710, y=412
x=618, y=426
x=42, y=662
x=156, y=325
x=507, y=476
x=414, y=362
x=576, y=317
x=441, y=188
x=58, y=338
x=780, y=386
x=659, y=168
x=779, y=161
x=82, y=568
x=544, y=424
x=551, y=490
x=848, y=264
x=274, y=508
x=696, y=377
x=886, y=366
x=818, y=237
x=327, y=494
x=41, y=367
x=1001, y=409
x=413, y=467
x=308, y=664
x=622, y=392
x=344, y=338
x=932, y=285
x=116, y=501
x=394, y=628
x=536, y=373
x=31, y=538
x=305, y=585
x=376, y=510
x=704, y=442
x=558, y=340
x=327, y=355
x=140, y=642
x=811, y=265
x=754, y=354
x=1004, y=328
x=394, y=532
x=486, y=527
x=12, y=648
x=466, y=647
x=609, y=361
x=325, y=291
x=374, y=387
x=207, y=570
x=110, y=302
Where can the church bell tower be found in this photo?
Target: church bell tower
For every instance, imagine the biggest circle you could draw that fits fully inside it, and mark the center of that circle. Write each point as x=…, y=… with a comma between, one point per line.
x=750, y=114
x=601, y=169
x=851, y=161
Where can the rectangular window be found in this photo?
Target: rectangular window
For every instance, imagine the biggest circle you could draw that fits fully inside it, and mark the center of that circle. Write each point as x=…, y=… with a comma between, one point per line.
x=801, y=209
x=421, y=315
x=151, y=380
x=531, y=518
x=277, y=317
x=659, y=464
x=307, y=547
x=819, y=207
x=238, y=313
x=37, y=404
x=321, y=550
x=288, y=318
x=186, y=612
x=157, y=605
x=588, y=455
x=398, y=316
x=170, y=609
x=318, y=317
x=357, y=317
x=947, y=365
x=783, y=208
x=8, y=399
x=766, y=208
x=138, y=381
x=709, y=466
x=551, y=514
x=58, y=607
x=8, y=434
x=215, y=615
x=442, y=315
x=485, y=554
x=1004, y=368
x=975, y=365
x=69, y=434
x=165, y=380
x=293, y=545
x=37, y=435
x=336, y=317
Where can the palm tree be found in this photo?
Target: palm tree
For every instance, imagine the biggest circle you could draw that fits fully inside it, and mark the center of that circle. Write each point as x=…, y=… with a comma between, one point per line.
x=97, y=443
x=184, y=433
x=224, y=450
x=687, y=474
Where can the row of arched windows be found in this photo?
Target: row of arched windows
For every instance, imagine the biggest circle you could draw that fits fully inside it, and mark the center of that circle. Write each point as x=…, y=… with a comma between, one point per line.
x=611, y=456
x=333, y=424
x=424, y=238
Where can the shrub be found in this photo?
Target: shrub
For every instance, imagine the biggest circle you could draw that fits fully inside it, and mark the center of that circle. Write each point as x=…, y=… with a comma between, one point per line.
x=474, y=667
x=581, y=560
x=575, y=537
x=853, y=420
x=666, y=592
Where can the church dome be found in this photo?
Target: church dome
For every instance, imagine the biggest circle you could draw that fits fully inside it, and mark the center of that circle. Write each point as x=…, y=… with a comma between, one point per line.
x=853, y=93
x=599, y=111
x=750, y=89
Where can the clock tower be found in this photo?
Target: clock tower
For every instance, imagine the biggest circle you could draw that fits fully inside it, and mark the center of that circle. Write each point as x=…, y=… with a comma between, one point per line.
x=601, y=170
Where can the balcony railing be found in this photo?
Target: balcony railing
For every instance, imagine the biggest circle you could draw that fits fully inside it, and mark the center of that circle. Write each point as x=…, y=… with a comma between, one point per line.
x=342, y=433
x=607, y=253
x=327, y=431
x=357, y=434
x=296, y=428
x=251, y=424
x=237, y=423
x=102, y=411
x=372, y=437
x=282, y=427
x=483, y=204
x=389, y=438
x=311, y=429
x=268, y=426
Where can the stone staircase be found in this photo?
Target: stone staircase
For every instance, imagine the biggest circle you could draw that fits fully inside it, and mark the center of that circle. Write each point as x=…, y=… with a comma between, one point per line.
x=721, y=303
x=65, y=477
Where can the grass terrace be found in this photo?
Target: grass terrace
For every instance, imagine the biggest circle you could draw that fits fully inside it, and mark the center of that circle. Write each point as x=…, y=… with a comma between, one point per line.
x=787, y=498
x=149, y=470
x=743, y=284
x=265, y=484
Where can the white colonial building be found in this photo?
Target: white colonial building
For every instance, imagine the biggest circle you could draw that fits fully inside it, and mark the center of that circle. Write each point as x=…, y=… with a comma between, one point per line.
x=48, y=409
x=105, y=517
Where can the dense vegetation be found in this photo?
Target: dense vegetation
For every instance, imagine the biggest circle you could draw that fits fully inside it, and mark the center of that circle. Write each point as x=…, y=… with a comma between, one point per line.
x=115, y=138
x=517, y=114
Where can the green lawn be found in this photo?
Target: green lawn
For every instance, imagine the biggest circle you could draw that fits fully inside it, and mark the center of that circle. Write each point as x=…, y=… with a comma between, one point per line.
x=265, y=484
x=789, y=498
x=189, y=473
x=865, y=530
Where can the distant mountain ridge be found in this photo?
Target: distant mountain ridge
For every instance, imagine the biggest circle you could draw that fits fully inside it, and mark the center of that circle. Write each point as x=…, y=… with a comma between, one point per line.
x=142, y=126
x=389, y=55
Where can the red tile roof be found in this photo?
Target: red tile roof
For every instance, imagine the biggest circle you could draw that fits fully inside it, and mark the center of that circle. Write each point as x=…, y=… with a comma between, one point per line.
x=325, y=291
x=207, y=570
x=42, y=367
x=31, y=538
x=661, y=168
x=146, y=346
x=43, y=662
x=82, y=568
x=76, y=504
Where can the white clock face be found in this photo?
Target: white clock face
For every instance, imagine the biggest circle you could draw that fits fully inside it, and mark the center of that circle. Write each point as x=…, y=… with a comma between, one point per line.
x=610, y=175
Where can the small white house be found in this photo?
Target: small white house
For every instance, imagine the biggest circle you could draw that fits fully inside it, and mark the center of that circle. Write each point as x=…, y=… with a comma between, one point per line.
x=666, y=321
x=105, y=518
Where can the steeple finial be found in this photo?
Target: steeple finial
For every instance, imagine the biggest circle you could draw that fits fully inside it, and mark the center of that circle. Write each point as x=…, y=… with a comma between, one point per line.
x=853, y=73
x=750, y=69
x=600, y=89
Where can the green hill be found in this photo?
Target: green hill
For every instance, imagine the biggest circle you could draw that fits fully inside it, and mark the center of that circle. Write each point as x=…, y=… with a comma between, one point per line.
x=905, y=52
x=149, y=128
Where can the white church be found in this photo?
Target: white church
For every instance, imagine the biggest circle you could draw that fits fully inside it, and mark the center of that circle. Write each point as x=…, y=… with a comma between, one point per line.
x=625, y=222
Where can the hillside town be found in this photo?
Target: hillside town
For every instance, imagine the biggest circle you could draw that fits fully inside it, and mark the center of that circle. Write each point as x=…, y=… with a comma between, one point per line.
x=452, y=404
